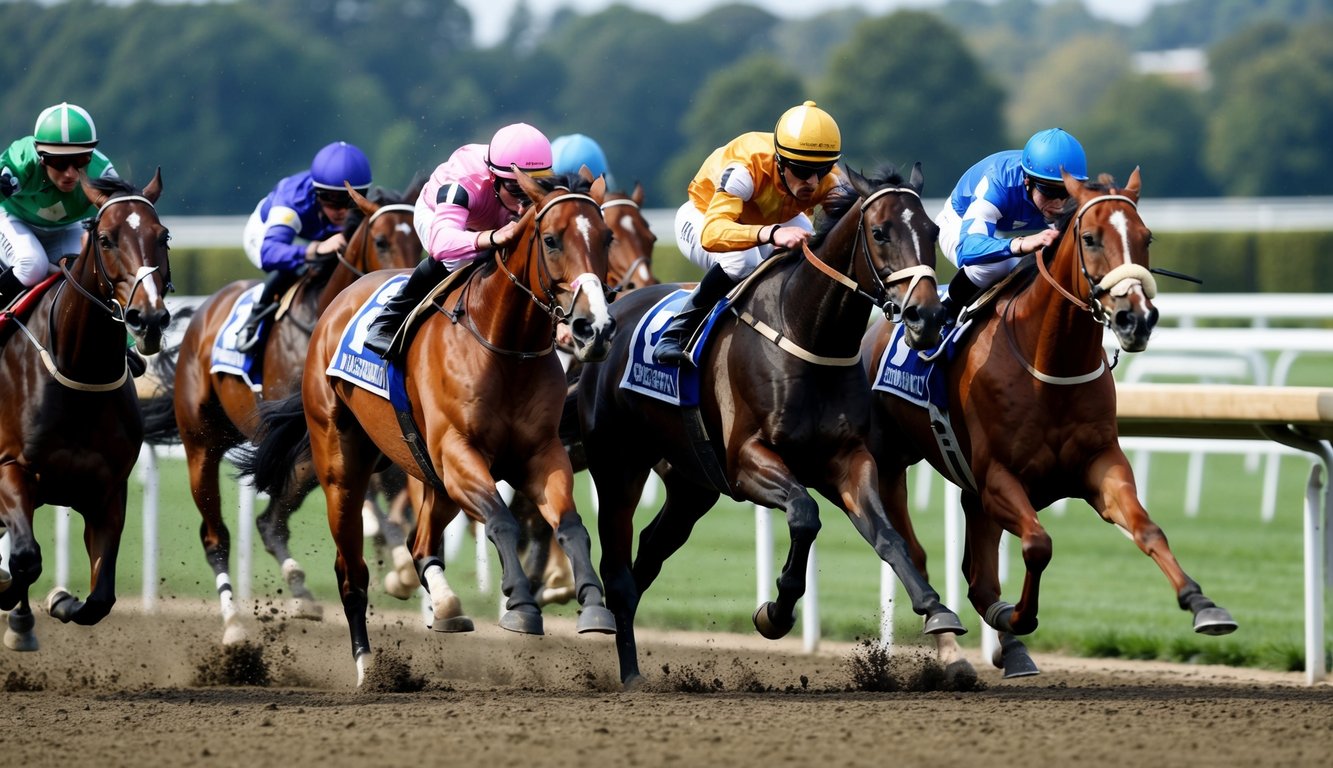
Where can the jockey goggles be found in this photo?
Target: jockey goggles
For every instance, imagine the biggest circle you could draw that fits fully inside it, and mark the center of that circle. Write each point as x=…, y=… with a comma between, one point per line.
x=63, y=163
x=801, y=171
x=1051, y=191
x=334, y=199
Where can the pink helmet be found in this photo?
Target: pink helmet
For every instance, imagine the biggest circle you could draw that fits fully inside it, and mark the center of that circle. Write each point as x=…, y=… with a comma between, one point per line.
x=522, y=145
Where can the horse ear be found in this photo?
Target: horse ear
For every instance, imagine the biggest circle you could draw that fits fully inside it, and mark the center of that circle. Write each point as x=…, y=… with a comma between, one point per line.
x=917, y=180
x=89, y=191
x=1133, y=185
x=534, y=191
x=154, y=188
x=598, y=190
x=364, y=204
x=1072, y=185
x=637, y=196
x=858, y=182
x=585, y=173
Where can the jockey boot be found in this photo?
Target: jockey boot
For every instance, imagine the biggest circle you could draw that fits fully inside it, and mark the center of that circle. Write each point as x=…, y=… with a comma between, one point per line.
x=961, y=293
x=385, y=328
x=670, y=348
x=10, y=287
x=275, y=284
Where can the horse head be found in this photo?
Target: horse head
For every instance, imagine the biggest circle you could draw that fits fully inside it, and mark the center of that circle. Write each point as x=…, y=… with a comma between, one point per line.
x=389, y=240
x=1110, y=242
x=630, y=264
x=127, y=264
x=567, y=243
x=897, y=239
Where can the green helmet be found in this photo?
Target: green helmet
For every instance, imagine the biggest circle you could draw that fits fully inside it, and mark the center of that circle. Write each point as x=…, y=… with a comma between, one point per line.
x=65, y=130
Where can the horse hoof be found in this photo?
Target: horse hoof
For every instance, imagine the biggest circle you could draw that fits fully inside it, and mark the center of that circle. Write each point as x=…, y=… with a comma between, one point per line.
x=522, y=622
x=394, y=586
x=634, y=682
x=307, y=609
x=1015, y=662
x=457, y=624
x=960, y=674
x=23, y=642
x=233, y=633
x=1214, y=621
x=60, y=604
x=560, y=595
x=767, y=626
x=596, y=619
x=942, y=622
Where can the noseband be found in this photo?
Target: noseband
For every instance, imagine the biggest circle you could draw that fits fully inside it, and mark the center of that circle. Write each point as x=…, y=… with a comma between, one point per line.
x=1118, y=282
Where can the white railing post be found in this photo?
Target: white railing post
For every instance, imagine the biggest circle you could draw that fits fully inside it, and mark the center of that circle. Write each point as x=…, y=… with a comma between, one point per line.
x=244, y=541
x=149, y=477
x=810, y=616
x=888, y=589
x=62, y=547
x=763, y=555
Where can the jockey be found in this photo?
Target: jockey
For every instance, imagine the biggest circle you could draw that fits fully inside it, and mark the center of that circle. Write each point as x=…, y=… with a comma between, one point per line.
x=470, y=205
x=570, y=152
x=1004, y=194
x=750, y=197
x=42, y=204
x=312, y=205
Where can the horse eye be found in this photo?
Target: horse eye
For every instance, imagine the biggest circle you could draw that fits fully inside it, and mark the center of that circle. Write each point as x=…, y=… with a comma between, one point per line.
x=550, y=241
x=880, y=234
x=105, y=240
x=1088, y=240
x=382, y=243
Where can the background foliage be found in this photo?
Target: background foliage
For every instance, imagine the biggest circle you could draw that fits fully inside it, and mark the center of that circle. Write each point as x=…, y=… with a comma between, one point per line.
x=228, y=97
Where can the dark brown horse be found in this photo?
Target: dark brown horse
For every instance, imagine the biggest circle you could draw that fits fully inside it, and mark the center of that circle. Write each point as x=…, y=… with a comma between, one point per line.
x=213, y=413
x=70, y=429
x=782, y=397
x=1032, y=405
x=485, y=391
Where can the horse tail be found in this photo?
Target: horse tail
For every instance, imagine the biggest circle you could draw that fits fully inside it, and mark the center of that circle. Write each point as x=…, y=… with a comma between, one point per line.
x=159, y=409
x=280, y=446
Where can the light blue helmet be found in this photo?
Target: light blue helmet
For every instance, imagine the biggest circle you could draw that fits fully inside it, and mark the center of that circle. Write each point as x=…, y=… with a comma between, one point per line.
x=570, y=152
x=1050, y=150
x=339, y=162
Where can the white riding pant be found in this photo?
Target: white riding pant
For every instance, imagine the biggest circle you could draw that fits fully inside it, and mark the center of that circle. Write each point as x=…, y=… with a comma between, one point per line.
x=982, y=275
x=33, y=251
x=737, y=264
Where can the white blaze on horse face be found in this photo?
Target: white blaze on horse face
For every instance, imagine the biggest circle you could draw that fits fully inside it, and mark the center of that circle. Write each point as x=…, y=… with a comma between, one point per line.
x=404, y=227
x=1120, y=223
x=916, y=238
x=133, y=220
x=626, y=223
x=597, y=306
x=149, y=287
x=585, y=229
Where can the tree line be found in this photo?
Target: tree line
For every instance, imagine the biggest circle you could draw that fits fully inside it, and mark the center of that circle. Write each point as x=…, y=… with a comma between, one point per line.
x=228, y=97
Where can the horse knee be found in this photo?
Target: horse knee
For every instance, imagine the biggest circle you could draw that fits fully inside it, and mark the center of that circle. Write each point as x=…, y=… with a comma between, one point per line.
x=1037, y=551
x=502, y=528
x=803, y=519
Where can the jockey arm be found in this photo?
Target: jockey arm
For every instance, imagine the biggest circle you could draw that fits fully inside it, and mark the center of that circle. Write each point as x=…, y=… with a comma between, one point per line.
x=722, y=230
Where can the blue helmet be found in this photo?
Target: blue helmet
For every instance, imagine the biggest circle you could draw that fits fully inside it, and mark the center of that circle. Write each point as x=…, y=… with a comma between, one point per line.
x=570, y=152
x=339, y=162
x=1050, y=150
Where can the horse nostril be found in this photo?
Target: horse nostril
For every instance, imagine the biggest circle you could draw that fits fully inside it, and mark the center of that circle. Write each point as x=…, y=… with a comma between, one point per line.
x=582, y=327
x=133, y=318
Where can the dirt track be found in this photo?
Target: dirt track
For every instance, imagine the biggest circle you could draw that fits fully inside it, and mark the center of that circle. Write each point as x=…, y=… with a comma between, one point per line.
x=130, y=692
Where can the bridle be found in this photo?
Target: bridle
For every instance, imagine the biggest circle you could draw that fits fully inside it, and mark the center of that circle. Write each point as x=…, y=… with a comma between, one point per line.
x=365, y=233
x=1118, y=282
x=626, y=280
x=880, y=298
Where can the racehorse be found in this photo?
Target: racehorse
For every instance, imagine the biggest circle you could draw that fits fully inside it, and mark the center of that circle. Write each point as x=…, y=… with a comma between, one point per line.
x=70, y=429
x=492, y=416
x=782, y=398
x=212, y=413
x=1032, y=405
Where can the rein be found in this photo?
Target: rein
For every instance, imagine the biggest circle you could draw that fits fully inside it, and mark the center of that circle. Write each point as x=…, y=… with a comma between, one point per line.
x=111, y=306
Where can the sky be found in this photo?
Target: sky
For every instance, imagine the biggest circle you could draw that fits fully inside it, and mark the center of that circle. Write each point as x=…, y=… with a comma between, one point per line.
x=490, y=17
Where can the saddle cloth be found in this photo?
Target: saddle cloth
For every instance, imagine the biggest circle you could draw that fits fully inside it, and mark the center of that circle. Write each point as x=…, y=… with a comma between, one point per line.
x=670, y=384
x=226, y=358
x=352, y=362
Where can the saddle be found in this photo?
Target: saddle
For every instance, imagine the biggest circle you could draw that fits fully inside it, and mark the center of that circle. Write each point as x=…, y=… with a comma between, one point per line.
x=21, y=306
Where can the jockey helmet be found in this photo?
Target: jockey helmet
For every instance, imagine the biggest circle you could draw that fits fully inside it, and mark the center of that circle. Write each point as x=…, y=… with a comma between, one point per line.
x=1050, y=150
x=522, y=145
x=339, y=162
x=65, y=130
x=807, y=135
x=570, y=152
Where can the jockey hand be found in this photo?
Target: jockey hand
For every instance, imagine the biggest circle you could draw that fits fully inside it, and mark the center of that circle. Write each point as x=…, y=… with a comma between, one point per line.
x=504, y=235
x=8, y=184
x=334, y=244
x=1033, y=243
x=790, y=237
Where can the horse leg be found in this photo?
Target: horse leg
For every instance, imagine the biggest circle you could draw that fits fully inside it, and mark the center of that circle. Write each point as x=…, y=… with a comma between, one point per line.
x=981, y=564
x=1117, y=501
x=893, y=490
x=557, y=583
x=618, y=492
x=25, y=558
x=203, y=462
x=447, y=609
x=101, y=538
x=533, y=540
x=550, y=487
x=275, y=530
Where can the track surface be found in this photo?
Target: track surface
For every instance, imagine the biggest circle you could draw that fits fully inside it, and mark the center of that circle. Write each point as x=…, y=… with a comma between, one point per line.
x=143, y=691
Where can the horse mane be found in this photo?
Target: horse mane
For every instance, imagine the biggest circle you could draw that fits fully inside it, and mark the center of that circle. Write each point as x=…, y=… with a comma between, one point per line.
x=113, y=185
x=844, y=197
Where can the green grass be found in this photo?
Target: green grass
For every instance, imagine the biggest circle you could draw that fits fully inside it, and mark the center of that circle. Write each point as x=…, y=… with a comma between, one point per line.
x=1100, y=595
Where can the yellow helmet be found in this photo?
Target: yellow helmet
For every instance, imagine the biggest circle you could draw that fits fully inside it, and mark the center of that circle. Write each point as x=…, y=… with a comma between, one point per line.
x=808, y=135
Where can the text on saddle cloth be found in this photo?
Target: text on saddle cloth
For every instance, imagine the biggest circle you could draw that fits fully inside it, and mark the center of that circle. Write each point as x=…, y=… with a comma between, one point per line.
x=226, y=358
x=670, y=384
x=352, y=361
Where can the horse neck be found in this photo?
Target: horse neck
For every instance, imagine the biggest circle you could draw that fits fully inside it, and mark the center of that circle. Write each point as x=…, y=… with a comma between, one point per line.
x=1058, y=336
x=340, y=278
x=86, y=340
x=819, y=313
x=504, y=313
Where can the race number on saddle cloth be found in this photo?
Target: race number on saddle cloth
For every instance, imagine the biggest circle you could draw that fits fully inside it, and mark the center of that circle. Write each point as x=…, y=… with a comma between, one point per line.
x=905, y=373
x=668, y=383
x=226, y=357
x=352, y=361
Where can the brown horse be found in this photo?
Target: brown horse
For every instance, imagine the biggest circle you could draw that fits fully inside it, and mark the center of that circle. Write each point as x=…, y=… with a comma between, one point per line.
x=781, y=396
x=1032, y=406
x=212, y=413
x=485, y=393
x=70, y=429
